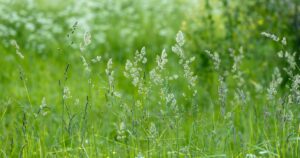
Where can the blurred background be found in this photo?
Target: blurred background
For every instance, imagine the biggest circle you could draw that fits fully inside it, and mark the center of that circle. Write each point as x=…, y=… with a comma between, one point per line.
x=49, y=34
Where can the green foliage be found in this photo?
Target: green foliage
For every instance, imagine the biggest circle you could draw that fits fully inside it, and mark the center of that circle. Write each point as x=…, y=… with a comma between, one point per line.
x=118, y=79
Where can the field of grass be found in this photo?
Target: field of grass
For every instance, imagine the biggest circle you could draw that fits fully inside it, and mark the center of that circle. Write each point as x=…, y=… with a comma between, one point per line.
x=149, y=78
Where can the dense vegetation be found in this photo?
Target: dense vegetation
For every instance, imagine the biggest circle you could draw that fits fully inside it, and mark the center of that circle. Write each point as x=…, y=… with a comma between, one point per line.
x=149, y=78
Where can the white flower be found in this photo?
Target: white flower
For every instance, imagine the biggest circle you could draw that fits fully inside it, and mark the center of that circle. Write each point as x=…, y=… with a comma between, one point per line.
x=170, y=98
x=121, y=135
x=276, y=81
x=177, y=49
x=250, y=156
x=141, y=56
x=86, y=41
x=152, y=130
x=87, y=38
x=162, y=60
x=222, y=91
x=96, y=59
x=134, y=72
x=295, y=88
x=280, y=54
x=236, y=58
x=291, y=59
x=215, y=58
x=189, y=74
x=122, y=126
x=174, y=77
x=155, y=74
x=44, y=104
x=155, y=77
x=66, y=93
x=180, y=39
x=271, y=36
x=283, y=41
x=109, y=72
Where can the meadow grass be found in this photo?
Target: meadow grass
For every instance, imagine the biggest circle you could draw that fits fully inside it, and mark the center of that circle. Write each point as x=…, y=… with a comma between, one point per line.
x=154, y=96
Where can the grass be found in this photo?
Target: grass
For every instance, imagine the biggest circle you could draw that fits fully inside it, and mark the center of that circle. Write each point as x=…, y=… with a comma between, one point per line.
x=94, y=90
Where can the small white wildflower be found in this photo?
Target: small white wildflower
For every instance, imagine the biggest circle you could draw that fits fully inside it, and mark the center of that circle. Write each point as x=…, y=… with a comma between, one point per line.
x=290, y=99
x=110, y=74
x=128, y=67
x=291, y=59
x=134, y=71
x=236, y=58
x=117, y=94
x=280, y=54
x=96, y=59
x=188, y=74
x=296, y=82
x=276, y=81
x=288, y=116
x=215, y=58
x=180, y=39
x=155, y=74
x=44, y=104
x=222, y=91
x=271, y=36
x=87, y=38
x=162, y=60
x=122, y=126
x=142, y=89
x=141, y=56
x=283, y=41
x=86, y=41
x=250, y=156
x=121, y=135
x=295, y=89
x=66, y=93
x=155, y=77
x=152, y=130
x=173, y=77
x=177, y=49
x=109, y=67
x=170, y=98
x=144, y=61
